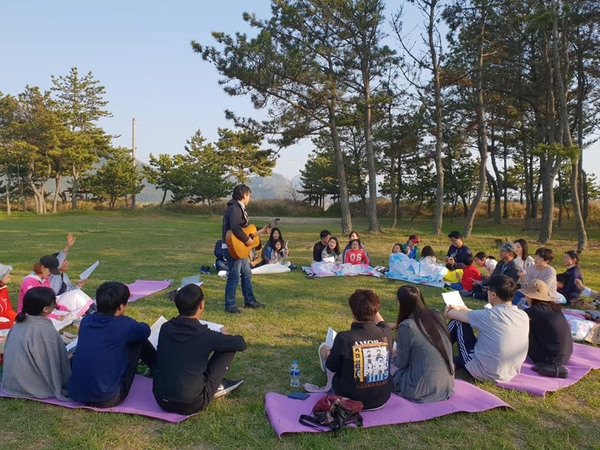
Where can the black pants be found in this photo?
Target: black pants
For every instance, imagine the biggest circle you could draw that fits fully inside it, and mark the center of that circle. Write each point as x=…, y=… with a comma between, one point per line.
x=136, y=351
x=215, y=371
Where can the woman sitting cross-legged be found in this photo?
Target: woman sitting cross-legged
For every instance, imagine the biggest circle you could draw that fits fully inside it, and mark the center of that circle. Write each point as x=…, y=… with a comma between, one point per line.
x=35, y=359
x=424, y=350
x=550, y=342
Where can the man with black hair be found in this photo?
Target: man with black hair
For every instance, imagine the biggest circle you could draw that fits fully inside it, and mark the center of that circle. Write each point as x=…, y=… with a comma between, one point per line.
x=499, y=350
x=186, y=376
x=457, y=252
x=236, y=219
x=108, y=350
x=319, y=246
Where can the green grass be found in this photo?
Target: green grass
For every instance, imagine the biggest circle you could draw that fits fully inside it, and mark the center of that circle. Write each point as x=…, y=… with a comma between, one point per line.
x=153, y=245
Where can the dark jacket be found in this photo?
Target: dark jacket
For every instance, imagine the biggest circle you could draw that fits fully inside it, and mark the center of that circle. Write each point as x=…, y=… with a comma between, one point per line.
x=550, y=338
x=234, y=219
x=360, y=359
x=459, y=255
x=570, y=289
x=184, y=347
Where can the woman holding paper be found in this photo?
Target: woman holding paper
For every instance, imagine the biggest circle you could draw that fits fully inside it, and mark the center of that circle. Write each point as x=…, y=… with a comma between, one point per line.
x=424, y=350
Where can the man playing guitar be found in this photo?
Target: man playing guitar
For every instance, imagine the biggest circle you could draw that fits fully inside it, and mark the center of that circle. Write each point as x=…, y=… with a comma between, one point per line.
x=235, y=220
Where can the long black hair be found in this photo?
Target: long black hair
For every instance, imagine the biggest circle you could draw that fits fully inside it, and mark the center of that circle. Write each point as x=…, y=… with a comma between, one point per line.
x=412, y=304
x=34, y=302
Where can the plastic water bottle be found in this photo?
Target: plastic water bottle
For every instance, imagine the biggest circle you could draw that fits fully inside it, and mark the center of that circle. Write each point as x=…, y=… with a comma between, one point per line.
x=295, y=374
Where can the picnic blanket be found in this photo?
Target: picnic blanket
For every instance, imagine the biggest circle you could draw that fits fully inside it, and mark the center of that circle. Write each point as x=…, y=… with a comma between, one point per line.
x=401, y=267
x=583, y=359
x=140, y=401
x=284, y=412
x=265, y=269
x=142, y=288
x=326, y=269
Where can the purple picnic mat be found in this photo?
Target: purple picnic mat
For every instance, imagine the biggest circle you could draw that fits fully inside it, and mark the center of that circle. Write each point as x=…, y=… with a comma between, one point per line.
x=142, y=288
x=583, y=359
x=284, y=412
x=140, y=401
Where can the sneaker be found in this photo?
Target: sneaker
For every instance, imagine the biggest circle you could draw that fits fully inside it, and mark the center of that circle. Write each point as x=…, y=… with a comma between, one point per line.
x=233, y=310
x=226, y=387
x=324, y=350
x=255, y=305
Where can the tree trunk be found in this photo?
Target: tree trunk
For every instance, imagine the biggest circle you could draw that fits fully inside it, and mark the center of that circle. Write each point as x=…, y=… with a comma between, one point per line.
x=57, y=180
x=346, y=221
x=74, y=188
x=8, y=196
x=481, y=132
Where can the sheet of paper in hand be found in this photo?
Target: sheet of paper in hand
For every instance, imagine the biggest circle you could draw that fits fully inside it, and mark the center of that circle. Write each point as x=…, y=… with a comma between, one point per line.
x=453, y=299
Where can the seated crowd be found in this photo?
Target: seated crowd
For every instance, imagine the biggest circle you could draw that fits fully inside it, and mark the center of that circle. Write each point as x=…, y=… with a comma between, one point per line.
x=523, y=318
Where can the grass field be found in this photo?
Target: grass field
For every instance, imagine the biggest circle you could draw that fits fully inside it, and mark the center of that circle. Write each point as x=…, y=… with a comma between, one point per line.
x=151, y=245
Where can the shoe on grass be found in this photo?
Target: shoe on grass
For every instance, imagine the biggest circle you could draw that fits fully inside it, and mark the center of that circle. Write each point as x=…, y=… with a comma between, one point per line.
x=255, y=305
x=227, y=386
x=233, y=310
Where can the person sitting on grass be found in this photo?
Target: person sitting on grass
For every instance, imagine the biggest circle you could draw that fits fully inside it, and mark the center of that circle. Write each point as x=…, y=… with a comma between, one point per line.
x=36, y=364
x=109, y=348
x=410, y=248
x=568, y=287
x=354, y=236
x=7, y=313
x=506, y=266
x=319, y=246
x=470, y=275
x=500, y=348
x=481, y=259
x=356, y=254
x=331, y=253
x=360, y=357
x=191, y=359
x=550, y=341
x=428, y=255
x=423, y=350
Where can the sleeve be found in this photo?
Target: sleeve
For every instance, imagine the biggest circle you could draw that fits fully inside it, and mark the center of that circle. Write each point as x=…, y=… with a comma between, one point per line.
x=478, y=318
x=404, y=342
x=138, y=331
x=366, y=259
x=228, y=343
x=334, y=360
x=317, y=253
x=236, y=219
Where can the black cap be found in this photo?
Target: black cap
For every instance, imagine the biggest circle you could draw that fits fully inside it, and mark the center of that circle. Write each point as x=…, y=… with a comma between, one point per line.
x=51, y=262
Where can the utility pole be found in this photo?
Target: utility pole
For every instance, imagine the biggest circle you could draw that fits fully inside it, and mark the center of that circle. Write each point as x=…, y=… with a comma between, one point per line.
x=133, y=158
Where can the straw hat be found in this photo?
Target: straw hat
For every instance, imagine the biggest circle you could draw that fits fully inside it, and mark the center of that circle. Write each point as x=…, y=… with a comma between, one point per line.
x=536, y=289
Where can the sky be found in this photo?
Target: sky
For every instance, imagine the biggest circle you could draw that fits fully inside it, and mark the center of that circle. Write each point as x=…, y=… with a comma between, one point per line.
x=141, y=53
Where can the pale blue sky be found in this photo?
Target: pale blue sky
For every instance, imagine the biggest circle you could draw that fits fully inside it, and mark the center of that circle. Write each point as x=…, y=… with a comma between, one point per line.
x=140, y=51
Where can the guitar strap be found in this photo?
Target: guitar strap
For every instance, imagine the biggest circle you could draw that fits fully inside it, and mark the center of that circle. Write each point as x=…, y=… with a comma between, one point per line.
x=245, y=215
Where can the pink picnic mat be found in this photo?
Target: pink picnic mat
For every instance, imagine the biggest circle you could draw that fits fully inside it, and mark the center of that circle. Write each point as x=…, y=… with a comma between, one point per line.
x=583, y=359
x=142, y=288
x=140, y=401
x=284, y=412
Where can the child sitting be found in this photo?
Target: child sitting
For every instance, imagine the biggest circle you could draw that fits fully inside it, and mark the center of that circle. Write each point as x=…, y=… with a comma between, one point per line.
x=356, y=255
x=488, y=262
x=470, y=274
x=331, y=253
x=428, y=255
x=7, y=313
x=110, y=345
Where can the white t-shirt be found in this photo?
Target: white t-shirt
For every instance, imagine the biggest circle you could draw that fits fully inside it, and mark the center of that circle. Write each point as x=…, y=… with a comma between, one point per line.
x=502, y=342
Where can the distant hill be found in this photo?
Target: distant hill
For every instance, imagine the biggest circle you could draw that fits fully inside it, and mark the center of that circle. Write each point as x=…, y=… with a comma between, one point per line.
x=276, y=186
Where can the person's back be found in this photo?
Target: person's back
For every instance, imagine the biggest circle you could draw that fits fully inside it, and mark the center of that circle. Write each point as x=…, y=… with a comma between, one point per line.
x=106, y=350
x=550, y=338
x=502, y=342
x=184, y=348
x=191, y=359
x=469, y=276
x=423, y=374
x=360, y=357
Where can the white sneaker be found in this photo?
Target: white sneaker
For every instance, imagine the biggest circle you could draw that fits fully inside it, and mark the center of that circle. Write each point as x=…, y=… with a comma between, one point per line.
x=226, y=387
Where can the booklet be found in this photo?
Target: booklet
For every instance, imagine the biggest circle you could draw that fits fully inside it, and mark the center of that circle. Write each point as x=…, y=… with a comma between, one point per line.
x=87, y=272
x=453, y=299
x=156, y=326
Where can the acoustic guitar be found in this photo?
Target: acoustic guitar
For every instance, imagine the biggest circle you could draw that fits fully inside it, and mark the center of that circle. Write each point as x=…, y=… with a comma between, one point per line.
x=237, y=248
